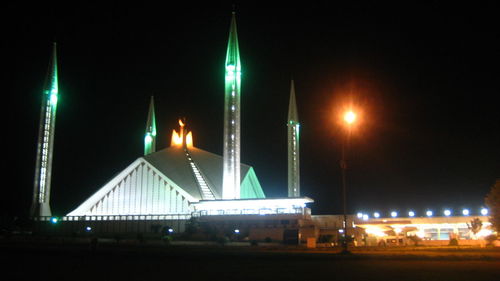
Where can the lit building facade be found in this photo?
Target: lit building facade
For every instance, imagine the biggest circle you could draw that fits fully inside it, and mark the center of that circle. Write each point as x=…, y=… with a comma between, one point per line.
x=406, y=231
x=427, y=230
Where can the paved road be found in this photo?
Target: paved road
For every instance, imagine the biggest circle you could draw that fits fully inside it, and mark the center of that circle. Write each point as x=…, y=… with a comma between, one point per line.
x=152, y=262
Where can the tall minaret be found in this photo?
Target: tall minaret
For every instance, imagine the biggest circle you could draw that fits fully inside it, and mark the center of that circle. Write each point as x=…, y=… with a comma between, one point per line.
x=231, y=151
x=41, y=192
x=293, y=146
x=150, y=136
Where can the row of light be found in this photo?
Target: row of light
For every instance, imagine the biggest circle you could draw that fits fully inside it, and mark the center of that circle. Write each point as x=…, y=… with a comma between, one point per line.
x=169, y=231
x=428, y=213
x=55, y=220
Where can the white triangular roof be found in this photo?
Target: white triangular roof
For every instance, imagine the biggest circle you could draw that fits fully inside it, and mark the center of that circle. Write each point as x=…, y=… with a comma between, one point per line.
x=148, y=185
x=133, y=186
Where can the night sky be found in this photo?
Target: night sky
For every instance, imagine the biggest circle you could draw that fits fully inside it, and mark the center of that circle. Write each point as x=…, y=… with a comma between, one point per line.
x=425, y=78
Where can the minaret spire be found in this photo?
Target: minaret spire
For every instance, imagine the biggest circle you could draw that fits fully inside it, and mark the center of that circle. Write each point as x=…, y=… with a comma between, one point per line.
x=43, y=171
x=150, y=136
x=293, y=146
x=231, y=150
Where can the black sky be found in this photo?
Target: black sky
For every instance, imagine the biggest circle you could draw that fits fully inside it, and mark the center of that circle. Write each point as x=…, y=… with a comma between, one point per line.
x=425, y=77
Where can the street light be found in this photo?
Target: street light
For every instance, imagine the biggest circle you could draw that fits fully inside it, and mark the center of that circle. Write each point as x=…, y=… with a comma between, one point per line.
x=349, y=118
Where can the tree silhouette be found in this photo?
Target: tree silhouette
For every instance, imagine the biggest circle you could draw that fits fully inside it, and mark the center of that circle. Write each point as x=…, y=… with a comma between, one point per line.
x=475, y=225
x=492, y=200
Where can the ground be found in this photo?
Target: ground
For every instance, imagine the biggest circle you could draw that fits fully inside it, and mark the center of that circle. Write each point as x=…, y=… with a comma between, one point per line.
x=131, y=260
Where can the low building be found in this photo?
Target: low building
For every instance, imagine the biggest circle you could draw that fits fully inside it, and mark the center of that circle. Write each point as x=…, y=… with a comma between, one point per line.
x=467, y=230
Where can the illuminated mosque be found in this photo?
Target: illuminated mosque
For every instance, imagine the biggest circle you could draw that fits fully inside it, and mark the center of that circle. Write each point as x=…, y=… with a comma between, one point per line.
x=181, y=180
x=172, y=185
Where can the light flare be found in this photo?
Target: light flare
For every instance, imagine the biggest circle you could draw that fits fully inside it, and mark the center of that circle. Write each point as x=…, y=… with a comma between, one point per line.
x=350, y=117
x=376, y=231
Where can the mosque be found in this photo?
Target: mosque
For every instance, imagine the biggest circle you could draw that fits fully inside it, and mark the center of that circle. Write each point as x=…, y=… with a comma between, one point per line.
x=171, y=186
x=180, y=181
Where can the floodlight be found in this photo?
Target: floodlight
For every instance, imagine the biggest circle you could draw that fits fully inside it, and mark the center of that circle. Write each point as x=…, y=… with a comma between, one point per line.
x=349, y=117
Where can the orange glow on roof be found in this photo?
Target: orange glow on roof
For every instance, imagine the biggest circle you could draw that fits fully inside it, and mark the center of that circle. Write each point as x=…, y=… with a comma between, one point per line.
x=178, y=138
x=189, y=139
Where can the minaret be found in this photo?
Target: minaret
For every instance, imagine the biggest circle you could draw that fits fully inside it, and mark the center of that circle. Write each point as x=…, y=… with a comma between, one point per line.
x=150, y=136
x=293, y=146
x=41, y=192
x=231, y=150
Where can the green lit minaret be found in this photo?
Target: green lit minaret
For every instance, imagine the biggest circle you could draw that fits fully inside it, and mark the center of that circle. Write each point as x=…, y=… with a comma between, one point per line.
x=293, y=146
x=41, y=192
x=231, y=150
x=150, y=136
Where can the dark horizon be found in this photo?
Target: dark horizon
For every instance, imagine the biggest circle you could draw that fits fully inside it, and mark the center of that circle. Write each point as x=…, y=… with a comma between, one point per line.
x=423, y=75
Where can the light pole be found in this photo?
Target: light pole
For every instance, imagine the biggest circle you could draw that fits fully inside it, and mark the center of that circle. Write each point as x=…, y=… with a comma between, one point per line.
x=349, y=118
